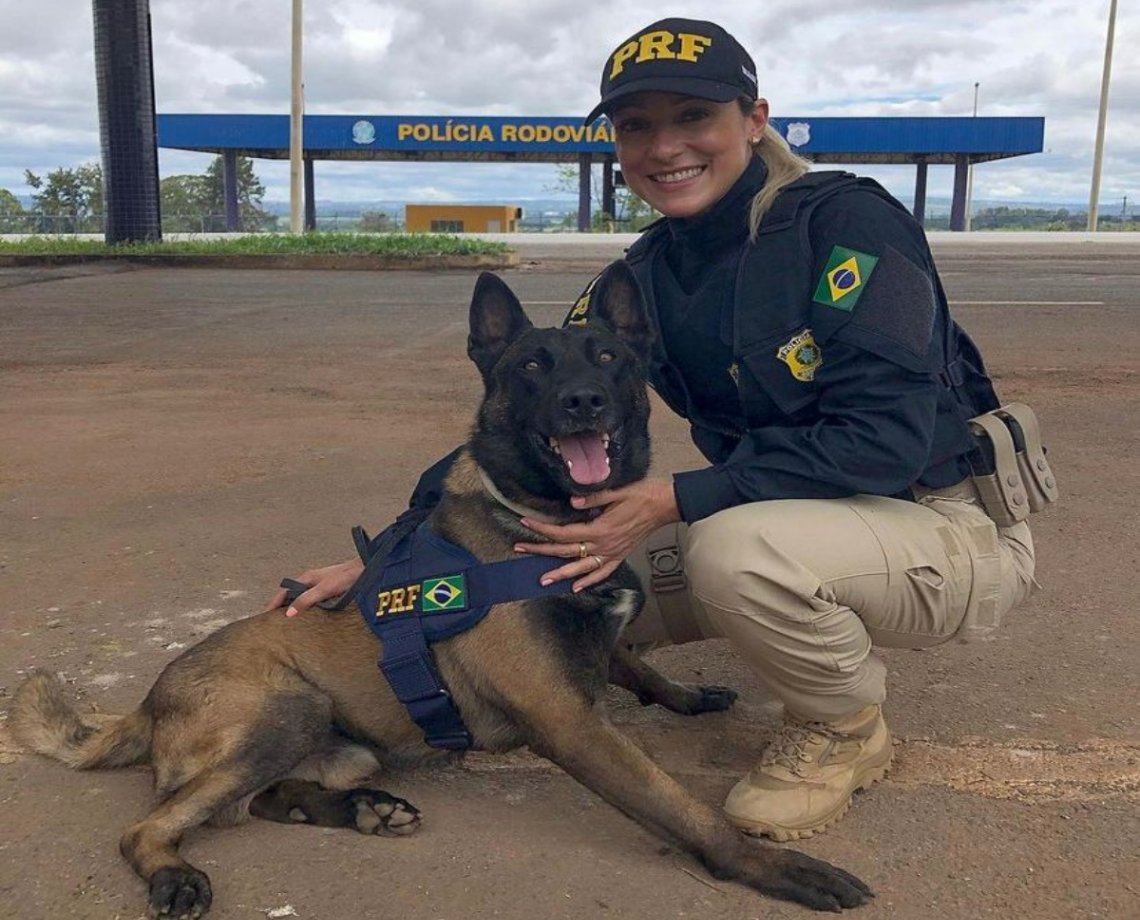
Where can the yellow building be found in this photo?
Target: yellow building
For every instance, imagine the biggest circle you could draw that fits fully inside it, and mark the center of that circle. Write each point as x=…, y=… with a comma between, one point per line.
x=462, y=218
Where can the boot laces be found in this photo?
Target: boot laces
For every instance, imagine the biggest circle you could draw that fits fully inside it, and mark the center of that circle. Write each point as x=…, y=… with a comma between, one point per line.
x=788, y=748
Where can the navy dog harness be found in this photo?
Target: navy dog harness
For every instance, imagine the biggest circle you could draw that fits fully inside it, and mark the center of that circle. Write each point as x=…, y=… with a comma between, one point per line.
x=423, y=590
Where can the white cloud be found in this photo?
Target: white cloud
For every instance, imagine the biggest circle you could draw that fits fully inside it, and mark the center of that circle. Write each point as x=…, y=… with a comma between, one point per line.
x=543, y=57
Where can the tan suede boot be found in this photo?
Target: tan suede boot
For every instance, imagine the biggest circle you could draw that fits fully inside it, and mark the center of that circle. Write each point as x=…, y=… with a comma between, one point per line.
x=808, y=773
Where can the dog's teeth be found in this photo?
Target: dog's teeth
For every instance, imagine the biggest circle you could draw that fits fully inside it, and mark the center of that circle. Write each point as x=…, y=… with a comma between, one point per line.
x=555, y=446
x=569, y=464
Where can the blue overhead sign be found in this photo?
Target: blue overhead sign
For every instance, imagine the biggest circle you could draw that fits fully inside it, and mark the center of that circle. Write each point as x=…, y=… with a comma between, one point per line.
x=996, y=136
x=406, y=133
x=459, y=137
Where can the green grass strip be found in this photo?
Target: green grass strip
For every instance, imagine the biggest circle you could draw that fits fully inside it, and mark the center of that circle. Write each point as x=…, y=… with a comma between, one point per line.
x=394, y=244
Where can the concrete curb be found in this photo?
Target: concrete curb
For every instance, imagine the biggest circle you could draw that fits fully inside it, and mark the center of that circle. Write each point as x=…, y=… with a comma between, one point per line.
x=284, y=261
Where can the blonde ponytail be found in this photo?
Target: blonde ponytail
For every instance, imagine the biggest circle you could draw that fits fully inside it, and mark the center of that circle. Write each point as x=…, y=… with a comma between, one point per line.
x=784, y=168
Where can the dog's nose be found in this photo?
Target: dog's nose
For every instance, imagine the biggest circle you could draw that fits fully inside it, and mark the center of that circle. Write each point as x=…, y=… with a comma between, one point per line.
x=583, y=401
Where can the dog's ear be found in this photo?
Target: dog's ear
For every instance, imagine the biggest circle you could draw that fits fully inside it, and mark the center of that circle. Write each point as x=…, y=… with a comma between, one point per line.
x=617, y=301
x=497, y=319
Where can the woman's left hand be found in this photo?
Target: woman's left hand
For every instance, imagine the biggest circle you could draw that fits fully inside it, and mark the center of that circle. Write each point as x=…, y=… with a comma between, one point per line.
x=598, y=547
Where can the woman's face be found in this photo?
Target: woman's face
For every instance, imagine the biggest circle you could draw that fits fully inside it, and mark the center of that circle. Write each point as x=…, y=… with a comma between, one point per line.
x=682, y=154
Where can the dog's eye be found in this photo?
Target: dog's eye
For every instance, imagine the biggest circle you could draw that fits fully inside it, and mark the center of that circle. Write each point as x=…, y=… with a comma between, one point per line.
x=532, y=365
x=605, y=357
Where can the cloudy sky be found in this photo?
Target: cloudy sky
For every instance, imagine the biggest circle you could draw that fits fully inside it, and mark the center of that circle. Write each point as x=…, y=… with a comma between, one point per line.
x=544, y=57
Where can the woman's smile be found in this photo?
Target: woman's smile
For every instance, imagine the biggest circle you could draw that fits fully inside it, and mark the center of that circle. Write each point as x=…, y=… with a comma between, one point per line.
x=681, y=154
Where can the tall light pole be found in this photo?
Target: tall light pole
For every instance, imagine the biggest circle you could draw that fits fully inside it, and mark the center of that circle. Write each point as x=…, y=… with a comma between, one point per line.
x=970, y=169
x=1094, y=194
x=296, y=122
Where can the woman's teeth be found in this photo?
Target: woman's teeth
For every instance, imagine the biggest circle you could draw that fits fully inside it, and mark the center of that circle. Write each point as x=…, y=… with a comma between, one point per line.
x=680, y=175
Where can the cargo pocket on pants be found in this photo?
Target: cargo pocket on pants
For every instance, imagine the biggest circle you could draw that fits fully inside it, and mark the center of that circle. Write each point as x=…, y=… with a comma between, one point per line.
x=985, y=608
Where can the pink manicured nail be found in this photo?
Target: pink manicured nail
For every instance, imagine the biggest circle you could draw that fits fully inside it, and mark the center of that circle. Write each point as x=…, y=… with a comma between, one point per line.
x=291, y=612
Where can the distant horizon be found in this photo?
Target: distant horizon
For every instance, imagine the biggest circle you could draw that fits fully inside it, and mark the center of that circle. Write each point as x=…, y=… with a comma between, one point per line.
x=936, y=205
x=933, y=202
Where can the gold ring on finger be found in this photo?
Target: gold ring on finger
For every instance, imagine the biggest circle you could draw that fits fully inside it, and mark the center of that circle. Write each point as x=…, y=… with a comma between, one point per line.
x=600, y=561
x=582, y=551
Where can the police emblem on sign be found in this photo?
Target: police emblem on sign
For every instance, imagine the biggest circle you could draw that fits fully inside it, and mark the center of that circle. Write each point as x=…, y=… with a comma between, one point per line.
x=802, y=356
x=363, y=132
x=798, y=133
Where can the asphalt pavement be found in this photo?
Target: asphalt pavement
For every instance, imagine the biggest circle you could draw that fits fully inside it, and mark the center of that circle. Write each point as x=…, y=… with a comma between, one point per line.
x=173, y=441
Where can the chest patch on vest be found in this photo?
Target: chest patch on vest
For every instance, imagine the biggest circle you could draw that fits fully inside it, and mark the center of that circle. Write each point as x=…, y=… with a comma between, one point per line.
x=802, y=355
x=579, y=313
x=844, y=278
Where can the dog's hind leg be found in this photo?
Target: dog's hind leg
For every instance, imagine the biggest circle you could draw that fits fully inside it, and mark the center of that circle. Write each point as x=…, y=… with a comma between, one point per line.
x=176, y=888
x=210, y=760
x=628, y=670
x=369, y=811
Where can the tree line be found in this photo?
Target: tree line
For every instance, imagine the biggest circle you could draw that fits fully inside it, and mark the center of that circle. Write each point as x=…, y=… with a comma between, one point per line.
x=71, y=201
x=1007, y=218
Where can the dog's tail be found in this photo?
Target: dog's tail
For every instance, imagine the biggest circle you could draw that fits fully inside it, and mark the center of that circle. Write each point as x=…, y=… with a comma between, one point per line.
x=43, y=720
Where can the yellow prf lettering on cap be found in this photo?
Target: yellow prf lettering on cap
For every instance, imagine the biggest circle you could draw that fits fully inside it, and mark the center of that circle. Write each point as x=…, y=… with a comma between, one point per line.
x=654, y=46
x=623, y=54
x=657, y=46
x=692, y=45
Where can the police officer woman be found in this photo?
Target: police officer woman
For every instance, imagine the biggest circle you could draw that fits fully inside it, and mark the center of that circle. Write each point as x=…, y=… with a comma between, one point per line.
x=804, y=334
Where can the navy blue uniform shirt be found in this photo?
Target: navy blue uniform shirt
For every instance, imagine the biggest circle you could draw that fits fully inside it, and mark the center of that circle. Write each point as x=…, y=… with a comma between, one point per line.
x=870, y=424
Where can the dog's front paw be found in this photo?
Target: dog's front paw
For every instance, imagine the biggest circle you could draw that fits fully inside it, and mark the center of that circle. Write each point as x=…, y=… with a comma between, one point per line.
x=179, y=894
x=817, y=884
x=713, y=699
x=690, y=699
x=377, y=812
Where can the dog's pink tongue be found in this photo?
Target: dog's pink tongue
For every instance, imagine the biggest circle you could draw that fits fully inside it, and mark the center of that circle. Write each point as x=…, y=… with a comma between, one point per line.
x=585, y=457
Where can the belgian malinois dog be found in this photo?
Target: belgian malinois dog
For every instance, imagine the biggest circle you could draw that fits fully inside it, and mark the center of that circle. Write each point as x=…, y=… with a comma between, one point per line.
x=284, y=718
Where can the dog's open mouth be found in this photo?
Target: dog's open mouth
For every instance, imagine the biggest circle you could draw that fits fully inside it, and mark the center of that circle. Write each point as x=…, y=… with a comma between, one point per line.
x=585, y=454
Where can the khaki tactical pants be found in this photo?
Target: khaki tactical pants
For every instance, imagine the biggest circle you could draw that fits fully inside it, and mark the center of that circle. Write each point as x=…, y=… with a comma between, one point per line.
x=804, y=588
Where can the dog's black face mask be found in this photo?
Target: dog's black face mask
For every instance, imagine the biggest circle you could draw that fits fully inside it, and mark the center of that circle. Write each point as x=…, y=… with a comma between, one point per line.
x=565, y=410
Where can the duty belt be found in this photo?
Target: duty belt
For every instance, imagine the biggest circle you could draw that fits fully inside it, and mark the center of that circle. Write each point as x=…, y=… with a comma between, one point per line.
x=1010, y=476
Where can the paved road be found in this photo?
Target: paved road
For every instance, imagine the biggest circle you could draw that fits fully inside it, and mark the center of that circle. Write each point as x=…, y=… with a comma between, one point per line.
x=172, y=442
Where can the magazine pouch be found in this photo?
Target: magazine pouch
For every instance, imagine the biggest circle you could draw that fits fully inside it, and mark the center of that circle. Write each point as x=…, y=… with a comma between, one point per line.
x=1011, y=473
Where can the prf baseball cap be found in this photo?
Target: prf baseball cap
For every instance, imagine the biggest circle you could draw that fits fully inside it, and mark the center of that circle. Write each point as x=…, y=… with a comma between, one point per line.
x=686, y=56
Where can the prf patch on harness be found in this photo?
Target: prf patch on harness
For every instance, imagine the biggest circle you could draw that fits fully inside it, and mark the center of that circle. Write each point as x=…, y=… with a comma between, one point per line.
x=844, y=278
x=802, y=355
x=432, y=595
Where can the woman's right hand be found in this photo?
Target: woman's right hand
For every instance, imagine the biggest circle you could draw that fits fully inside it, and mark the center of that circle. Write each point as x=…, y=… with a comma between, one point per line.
x=326, y=582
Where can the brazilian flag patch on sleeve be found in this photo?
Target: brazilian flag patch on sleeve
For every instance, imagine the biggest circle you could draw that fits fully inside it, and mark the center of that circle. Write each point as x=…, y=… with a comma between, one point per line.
x=843, y=279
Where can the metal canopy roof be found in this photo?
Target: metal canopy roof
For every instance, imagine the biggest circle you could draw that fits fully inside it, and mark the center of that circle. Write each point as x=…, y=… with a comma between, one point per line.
x=559, y=140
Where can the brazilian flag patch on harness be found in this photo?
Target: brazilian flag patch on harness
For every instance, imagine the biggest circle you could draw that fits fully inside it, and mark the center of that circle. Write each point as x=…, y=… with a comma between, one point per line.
x=442, y=594
x=843, y=279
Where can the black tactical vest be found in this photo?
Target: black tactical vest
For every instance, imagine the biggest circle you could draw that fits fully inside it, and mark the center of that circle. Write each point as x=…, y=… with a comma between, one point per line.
x=773, y=300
